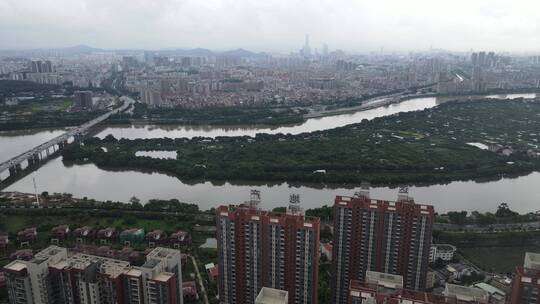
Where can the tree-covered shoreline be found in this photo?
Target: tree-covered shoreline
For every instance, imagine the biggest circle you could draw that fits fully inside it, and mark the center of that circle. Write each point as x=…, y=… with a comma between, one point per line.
x=427, y=146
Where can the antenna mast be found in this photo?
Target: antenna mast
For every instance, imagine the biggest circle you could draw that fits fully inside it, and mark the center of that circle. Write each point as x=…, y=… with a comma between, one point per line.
x=35, y=191
x=254, y=198
x=294, y=205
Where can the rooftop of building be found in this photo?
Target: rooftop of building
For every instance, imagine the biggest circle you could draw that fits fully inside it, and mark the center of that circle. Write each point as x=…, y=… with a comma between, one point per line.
x=133, y=231
x=445, y=247
x=489, y=288
x=402, y=200
x=163, y=276
x=134, y=272
x=384, y=279
x=532, y=260
x=464, y=293
x=272, y=296
x=162, y=253
x=224, y=210
x=151, y=263
x=48, y=253
x=15, y=266
x=112, y=268
x=107, y=266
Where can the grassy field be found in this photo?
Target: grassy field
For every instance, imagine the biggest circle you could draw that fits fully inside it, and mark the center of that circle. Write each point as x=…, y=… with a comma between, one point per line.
x=497, y=259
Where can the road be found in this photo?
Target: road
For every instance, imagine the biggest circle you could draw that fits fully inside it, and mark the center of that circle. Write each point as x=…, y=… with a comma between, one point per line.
x=199, y=277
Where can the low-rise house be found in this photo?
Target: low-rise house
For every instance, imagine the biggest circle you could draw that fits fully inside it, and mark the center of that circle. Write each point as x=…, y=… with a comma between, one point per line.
x=212, y=271
x=132, y=236
x=59, y=233
x=23, y=254
x=104, y=251
x=127, y=254
x=84, y=234
x=180, y=239
x=107, y=235
x=27, y=236
x=189, y=291
x=155, y=238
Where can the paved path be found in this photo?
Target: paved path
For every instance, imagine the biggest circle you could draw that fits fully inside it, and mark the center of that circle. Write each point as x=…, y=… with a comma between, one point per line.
x=199, y=277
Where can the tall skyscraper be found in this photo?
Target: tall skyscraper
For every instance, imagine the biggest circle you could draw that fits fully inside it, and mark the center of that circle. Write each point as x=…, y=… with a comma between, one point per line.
x=264, y=249
x=325, y=49
x=36, y=66
x=306, y=50
x=526, y=282
x=47, y=67
x=383, y=236
x=53, y=277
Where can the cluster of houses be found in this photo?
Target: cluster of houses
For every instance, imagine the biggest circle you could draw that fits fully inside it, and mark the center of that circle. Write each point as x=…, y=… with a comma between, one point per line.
x=103, y=236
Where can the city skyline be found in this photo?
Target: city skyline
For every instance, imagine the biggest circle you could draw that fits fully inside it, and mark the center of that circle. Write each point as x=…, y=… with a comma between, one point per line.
x=273, y=26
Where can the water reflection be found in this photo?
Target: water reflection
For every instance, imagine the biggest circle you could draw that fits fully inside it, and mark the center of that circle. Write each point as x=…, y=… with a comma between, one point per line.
x=90, y=181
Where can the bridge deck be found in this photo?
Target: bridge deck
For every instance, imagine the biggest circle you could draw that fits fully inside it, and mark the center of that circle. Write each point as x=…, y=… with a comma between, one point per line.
x=64, y=137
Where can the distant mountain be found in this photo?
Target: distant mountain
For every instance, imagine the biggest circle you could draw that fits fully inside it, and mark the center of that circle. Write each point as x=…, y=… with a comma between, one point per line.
x=78, y=49
x=186, y=52
x=206, y=52
x=241, y=53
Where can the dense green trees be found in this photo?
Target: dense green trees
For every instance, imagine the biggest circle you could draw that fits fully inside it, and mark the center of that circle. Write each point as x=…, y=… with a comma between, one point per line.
x=427, y=146
x=219, y=115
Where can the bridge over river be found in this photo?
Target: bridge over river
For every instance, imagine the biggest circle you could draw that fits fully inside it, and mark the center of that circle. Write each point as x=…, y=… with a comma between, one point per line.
x=11, y=169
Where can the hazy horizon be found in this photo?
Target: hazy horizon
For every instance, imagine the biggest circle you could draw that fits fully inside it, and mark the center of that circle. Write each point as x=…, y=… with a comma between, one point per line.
x=273, y=25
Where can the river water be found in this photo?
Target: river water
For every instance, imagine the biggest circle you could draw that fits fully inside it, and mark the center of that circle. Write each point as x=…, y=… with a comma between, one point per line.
x=88, y=180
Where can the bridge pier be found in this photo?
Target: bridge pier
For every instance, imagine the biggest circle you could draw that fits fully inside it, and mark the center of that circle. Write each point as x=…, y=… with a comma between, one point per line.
x=14, y=170
x=78, y=137
x=33, y=160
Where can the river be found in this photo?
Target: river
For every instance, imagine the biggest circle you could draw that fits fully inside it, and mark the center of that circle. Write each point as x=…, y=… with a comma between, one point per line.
x=88, y=180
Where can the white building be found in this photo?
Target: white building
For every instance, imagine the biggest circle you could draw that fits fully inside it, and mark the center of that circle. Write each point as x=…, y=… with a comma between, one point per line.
x=444, y=252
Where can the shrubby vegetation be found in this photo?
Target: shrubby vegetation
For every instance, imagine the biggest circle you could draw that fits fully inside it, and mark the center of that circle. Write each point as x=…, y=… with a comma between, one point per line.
x=9, y=87
x=427, y=146
x=217, y=115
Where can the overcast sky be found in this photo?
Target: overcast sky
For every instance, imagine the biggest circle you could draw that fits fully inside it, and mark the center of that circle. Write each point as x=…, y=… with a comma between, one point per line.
x=273, y=25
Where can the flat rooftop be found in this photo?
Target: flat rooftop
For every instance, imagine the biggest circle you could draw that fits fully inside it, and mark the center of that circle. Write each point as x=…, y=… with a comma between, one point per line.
x=15, y=266
x=272, y=296
x=464, y=293
x=532, y=260
x=163, y=276
x=384, y=279
x=162, y=252
x=133, y=272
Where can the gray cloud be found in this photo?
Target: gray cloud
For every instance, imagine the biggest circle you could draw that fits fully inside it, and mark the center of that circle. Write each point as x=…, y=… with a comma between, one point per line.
x=272, y=25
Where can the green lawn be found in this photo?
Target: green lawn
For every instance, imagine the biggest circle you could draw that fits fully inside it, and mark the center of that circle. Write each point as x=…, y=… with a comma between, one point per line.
x=498, y=259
